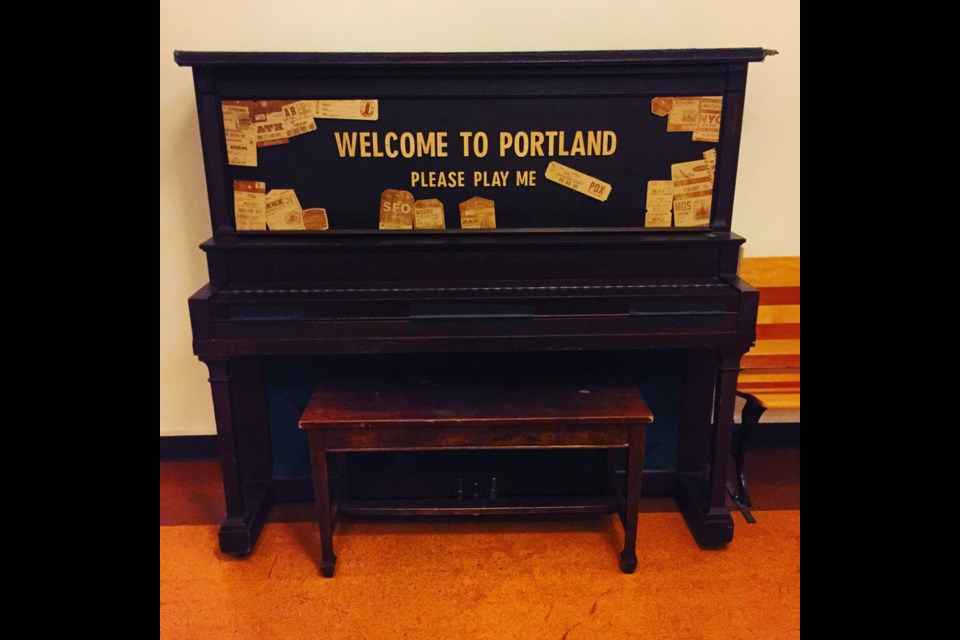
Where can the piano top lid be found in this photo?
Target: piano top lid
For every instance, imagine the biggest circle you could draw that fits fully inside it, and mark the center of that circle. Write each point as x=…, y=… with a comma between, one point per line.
x=468, y=59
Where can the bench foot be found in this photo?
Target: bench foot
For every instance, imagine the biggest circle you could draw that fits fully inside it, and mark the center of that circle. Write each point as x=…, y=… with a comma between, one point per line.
x=744, y=507
x=749, y=418
x=327, y=565
x=628, y=564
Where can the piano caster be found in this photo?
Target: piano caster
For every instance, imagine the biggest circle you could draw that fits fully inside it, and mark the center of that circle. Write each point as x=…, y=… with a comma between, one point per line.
x=327, y=564
x=628, y=564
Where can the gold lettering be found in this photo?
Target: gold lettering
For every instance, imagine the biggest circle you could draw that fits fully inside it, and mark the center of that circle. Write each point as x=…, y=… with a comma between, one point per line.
x=506, y=141
x=609, y=143
x=480, y=144
x=426, y=146
x=408, y=145
x=388, y=142
x=346, y=143
x=593, y=142
x=365, y=144
x=551, y=136
x=577, y=148
x=536, y=143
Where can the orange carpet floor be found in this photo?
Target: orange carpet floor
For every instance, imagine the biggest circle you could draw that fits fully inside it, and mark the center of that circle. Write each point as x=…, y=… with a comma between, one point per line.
x=476, y=579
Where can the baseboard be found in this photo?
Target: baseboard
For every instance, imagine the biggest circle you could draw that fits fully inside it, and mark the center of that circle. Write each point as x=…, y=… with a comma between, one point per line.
x=187, y=447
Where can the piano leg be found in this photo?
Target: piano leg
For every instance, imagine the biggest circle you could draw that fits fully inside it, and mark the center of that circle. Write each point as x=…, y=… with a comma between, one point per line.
x=628, y=559
x=702, y=469
x=244, y=447
x=321, y=490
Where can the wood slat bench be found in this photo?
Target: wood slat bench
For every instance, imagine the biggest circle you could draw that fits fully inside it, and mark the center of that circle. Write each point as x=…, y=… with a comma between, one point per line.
x=490, y=410
x=770, y=379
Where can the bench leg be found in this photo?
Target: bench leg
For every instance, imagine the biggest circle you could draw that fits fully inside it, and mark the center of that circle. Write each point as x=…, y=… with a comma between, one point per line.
x=748, y=420
x=628, y=559
x=321, y=489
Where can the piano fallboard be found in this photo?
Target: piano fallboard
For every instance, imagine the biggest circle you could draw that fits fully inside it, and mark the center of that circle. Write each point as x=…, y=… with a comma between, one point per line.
x=357, y=295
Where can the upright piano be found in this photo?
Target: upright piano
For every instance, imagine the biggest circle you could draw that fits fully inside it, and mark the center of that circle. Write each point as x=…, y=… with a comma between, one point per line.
x=464, y=206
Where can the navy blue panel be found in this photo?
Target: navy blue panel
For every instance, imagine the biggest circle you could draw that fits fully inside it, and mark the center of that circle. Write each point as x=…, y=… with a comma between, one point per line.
x=350, y=188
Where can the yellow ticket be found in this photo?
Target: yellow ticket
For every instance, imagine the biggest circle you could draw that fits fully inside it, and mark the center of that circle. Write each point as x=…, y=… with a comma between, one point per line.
x=692, y=212
x=657, y=218
x=315, y=219
x=428, y=214
x=659, y=195
x=234, y=110
x=579, y=182
x=478, y=213
x=283, y=210
x=270, y=128
x=298, y=117
x=684, y=115
x=691, y=179
x=396, y=209
x=347, y=109
x=249, y=205
x=710, y=157
x=708, y=121
x=241, y=144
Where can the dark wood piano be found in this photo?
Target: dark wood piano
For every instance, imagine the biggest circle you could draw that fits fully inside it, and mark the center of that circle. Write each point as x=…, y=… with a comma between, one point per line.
x=585, y=203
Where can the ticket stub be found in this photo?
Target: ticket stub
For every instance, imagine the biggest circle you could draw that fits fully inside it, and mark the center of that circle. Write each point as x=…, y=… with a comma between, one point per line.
x=428, y=214
x=315, y=220
x=684, y=115
x=692, y=212
x=283, y=210
x=710, y=157
x=270, y=129
x=659, y=195
x=249, y=205
x=235, y=110
x=239, y=134
x=477, y=213
x=692, y=193
x=659, y=203
x=579, y=182
x=298, y=118
x=241, y=144
x=657, y=219
x=347, y=109
x=691, y=179
x=661, y=106
x=708, y=121
x=396, y=209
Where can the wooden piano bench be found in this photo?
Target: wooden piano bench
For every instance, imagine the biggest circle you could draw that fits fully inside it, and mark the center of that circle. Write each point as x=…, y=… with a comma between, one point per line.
x=484, y=410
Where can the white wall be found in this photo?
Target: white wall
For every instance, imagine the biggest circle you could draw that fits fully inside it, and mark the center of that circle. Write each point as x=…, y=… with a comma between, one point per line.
x=767, y=209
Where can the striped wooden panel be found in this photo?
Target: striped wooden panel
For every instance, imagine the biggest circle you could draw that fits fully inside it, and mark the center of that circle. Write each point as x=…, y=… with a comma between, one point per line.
x=778, y=322
x=753, y=381
x=772, y=368
x=777, y=278
x=768, y=354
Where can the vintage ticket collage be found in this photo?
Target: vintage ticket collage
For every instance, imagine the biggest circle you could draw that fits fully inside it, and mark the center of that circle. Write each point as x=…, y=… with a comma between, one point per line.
x=698, y=114
x=256, y=209
x=249, y=125
x=686, y=198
